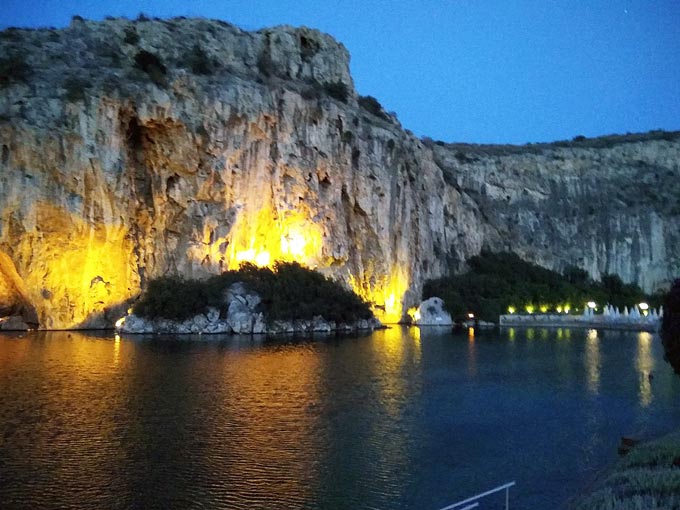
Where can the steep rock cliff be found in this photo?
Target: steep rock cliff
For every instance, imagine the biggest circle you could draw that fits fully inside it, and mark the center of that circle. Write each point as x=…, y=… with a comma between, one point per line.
x=133, y=149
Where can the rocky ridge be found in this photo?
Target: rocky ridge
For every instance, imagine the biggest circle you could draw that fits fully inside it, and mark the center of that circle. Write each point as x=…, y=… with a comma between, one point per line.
x=128, y=152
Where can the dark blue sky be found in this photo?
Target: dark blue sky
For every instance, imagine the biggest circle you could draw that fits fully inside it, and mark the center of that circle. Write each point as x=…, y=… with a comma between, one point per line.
x=470, y=70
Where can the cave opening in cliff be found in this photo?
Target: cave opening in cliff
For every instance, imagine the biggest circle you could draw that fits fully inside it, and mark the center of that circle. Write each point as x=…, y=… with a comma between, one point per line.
x=137, y=139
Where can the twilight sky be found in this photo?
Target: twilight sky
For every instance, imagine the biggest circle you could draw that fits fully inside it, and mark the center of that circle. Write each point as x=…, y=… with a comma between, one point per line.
x=481, y=71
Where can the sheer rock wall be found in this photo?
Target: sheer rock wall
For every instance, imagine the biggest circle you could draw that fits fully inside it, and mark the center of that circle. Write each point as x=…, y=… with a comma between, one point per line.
x=235, y=146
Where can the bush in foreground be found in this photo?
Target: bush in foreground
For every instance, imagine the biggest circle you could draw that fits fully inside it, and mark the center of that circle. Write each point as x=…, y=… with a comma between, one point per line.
x=647, y=478
x=670, y=327
x=288, y=291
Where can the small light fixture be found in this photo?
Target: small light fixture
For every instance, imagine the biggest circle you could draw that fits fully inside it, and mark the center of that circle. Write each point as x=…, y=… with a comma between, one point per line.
x=471, y=316
x=643, y=306
x=511, y=309
x=592, y=305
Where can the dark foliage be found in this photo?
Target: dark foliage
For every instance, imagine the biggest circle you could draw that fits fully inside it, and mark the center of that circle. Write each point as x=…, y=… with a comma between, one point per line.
x=337, y=90
x=265, y=64
x=172, y=297
x=75, y=88
x=308, y=47
x=372, y=106
x=131, y=36
x=288, y=291
x=151, y=65
x=198, y=61
x=670, y=327
x=499, y=280
x=13, y=69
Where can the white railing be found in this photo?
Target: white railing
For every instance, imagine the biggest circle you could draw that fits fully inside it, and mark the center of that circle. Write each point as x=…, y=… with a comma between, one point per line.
x=473, y=499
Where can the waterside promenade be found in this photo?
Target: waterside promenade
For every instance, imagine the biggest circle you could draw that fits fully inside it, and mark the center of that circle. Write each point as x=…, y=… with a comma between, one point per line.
x=611, y=318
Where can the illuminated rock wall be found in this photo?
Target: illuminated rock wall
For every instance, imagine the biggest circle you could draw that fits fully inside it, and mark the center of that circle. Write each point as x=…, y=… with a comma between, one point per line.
x=257, y=161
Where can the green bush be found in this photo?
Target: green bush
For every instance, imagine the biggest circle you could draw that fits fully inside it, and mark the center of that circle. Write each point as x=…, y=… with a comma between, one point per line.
x=337, y=90
x=372, y=106
x=646, y=478
x=173, y=297
x=288, y=291
x=13, y=69
x=670, y=327
x=75, y=88
x=131, y=36
x=151, y=65
x=198, y=61
x=497, y=281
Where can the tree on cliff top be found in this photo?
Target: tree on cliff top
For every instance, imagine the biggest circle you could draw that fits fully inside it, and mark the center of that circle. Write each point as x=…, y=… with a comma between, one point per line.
x=670, y=327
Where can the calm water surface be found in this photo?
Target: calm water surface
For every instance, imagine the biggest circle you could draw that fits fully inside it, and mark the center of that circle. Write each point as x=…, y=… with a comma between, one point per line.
x=400, y=419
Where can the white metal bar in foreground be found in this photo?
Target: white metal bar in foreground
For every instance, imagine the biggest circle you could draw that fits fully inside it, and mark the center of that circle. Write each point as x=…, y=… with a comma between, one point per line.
x=459, y=505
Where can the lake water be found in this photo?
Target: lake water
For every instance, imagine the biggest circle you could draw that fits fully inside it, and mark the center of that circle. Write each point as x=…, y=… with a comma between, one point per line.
x=399, y=419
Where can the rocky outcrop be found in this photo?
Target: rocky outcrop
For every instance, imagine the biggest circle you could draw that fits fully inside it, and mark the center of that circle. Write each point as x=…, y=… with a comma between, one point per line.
x=431, y=313
x=128, y=153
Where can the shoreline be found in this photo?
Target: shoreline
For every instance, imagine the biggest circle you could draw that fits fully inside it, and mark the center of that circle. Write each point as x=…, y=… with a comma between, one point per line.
x=580, y=321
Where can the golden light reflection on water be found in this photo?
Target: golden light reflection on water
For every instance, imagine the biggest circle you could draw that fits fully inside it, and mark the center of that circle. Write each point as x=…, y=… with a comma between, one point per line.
x=472, y=353
x=394, y=348
x=592, y=361
x=116, y=350
x=644, y=363
x=271, y=396
x=564, y=349
x=511, y=334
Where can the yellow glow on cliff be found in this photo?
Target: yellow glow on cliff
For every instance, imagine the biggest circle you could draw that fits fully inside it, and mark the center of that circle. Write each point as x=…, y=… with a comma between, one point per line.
x=78, y=267
x=385, y=295
x=414, y=313
x=269, y=236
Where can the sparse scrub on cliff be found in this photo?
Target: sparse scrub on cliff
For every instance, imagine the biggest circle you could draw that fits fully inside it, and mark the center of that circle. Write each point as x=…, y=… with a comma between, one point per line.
x=13, y=69
x=373, y=106
x=288, y=291
x=151, y=65
x=337, y=90
x=131, y=36
x=198, y=61
x=75, y=88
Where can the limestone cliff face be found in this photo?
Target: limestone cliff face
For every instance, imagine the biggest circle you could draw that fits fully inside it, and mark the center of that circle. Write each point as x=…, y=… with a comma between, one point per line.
x=134, y=149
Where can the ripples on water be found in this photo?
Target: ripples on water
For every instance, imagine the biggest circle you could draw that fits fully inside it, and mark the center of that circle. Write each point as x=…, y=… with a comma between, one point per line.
x=400, y=419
